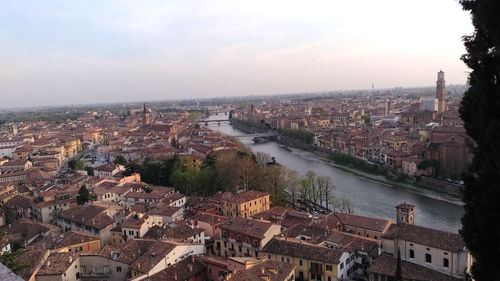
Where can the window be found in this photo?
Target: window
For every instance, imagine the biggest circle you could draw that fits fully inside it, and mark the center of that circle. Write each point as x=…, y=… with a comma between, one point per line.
x=341, y=266
x=118, y=269
x=329, y=267
x=428, y=258
x=412, y=254
x=282, y=259
x=446, y=263
x=269, y=256
x=300, y=262
x=287, y=260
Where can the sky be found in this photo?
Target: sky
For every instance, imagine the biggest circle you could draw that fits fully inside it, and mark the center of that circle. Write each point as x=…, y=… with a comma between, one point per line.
x=55, y=52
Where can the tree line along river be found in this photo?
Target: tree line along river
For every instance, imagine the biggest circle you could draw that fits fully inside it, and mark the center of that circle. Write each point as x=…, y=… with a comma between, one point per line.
x=368, y=197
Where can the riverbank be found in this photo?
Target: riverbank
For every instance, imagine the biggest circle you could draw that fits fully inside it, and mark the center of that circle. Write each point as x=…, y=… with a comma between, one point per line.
x=436, y=193
x=437, y=188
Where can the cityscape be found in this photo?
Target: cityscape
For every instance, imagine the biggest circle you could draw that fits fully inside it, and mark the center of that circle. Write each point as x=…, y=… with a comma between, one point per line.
x=107, y=176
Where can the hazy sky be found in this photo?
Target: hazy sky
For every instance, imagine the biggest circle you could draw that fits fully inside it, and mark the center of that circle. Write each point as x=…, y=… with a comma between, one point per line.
x=85, y=51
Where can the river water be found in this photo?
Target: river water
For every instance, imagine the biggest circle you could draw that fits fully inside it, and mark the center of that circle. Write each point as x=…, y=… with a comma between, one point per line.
x=368, y=197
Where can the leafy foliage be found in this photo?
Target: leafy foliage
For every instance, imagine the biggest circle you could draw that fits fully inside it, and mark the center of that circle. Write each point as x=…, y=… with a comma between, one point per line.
x=11, y=261
x=76, y=164
x=430, y=163
x=156, y=172
x=479, y=111
x=83, y=195
x=299, y=135
x=360, y=164
x=120, y=160
x=258, y=126
x=90, y=170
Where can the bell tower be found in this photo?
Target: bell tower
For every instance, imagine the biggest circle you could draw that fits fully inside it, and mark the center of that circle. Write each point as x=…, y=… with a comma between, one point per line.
x=441, y=92
x=405, y=213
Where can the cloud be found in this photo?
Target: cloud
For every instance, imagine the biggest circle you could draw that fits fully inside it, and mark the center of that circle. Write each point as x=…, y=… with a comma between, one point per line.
x=90, y=51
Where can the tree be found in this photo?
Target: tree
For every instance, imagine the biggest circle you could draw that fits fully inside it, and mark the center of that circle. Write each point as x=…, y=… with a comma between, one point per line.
x=398, y=275
x=429, y=163
x=292, y=185
x=481, y=115
x=90, y=170
x=79, y=165
x=83, y=195
x=120, y=160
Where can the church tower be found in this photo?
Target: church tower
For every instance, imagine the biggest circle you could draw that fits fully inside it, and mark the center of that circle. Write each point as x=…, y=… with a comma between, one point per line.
x=405, y=213
x=441, y=92
x=146, y=116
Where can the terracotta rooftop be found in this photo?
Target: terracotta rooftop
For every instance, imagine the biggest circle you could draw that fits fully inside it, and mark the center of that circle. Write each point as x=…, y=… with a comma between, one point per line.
x=141, y=254
x=315, y=232
x=365, y=222
x=57, y=263
x=19, y=201
x=183, y=270
x=177, y=231
x=301, y=249
x=208, y=218
x=268, y=270
x=385, y=264
x=28, y=260
x=89, y=215
x=165, y=210
x=426, y=236
x=242, y=197
x=25, y=229
x=107, y=168
x=135, y=223
x=70, y=238
x=250, y=227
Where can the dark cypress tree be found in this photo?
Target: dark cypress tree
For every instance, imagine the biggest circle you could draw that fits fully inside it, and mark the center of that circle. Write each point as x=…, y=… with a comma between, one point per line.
x=83, y=195
x=398, y=275
x=480, y=111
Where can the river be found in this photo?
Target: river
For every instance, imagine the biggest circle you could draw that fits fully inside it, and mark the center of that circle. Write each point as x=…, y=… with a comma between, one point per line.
x=368, y=197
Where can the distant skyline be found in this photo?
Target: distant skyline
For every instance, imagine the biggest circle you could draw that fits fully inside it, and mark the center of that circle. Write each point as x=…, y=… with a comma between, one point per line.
x=86, y=51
